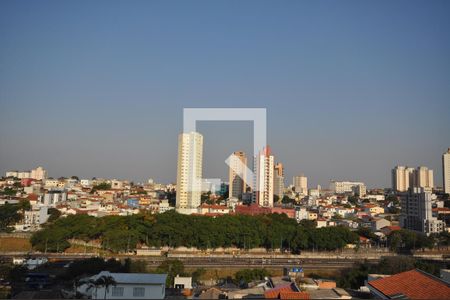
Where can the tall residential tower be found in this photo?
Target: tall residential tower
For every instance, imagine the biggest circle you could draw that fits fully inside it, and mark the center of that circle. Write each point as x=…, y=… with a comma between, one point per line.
x=189, y=172
x=278, y=181
x=446, y=170
x=264, y=169
x=237, y=175
x=300, y=184
x=404, y=178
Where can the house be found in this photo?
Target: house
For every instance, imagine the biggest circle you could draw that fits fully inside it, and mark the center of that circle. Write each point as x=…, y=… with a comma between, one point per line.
x=378, y=223
x=373, y=209
x=182, y=282
x=321, y=223
x=335, y=293
x=312, y=216
x=252, y=210
x=344, y=212
x=287, y=211
x=214, y=209
x=301, y=214
x=275, y=292
x=413, y=284
x=294, y=295
x=389, y=229
x=128, y=286
x=440, y=212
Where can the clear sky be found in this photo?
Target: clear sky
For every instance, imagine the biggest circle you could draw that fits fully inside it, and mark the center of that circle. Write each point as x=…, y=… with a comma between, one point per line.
x=97, y=88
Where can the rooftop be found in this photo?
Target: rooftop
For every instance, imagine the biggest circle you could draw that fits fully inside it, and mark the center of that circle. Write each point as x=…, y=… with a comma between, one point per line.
x=140, y=278
x=414, y=284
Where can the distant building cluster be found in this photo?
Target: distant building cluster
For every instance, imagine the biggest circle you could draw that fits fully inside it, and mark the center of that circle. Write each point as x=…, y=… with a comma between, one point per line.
x=404, y=178
x=95, y=197
x=413, y=202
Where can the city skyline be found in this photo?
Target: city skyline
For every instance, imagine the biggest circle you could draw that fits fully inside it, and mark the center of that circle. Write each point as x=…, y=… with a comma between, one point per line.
x=225, y=149
x=350, y=90
x=408, y=171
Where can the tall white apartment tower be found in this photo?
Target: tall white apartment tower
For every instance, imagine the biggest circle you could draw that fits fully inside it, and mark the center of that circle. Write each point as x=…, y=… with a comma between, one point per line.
x=189, y=172
x=264, y=173
x=300, y=184
x=424, y=178
x=446, y=170
x=237, y=184
x=278, y=181
x=39, y=173
x=402, y=178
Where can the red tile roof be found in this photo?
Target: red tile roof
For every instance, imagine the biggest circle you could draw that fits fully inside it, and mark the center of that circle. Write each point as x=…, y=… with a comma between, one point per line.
x=294, y=295
x=393, y=227
x=213, y=206
x=413, y=284
x=32, y=197
x=363, y=238
x=275, y=292
x=441, y=209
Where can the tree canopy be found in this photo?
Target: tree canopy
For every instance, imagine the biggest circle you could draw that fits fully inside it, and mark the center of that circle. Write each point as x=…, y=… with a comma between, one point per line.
x=11, y=214
x=122, y=233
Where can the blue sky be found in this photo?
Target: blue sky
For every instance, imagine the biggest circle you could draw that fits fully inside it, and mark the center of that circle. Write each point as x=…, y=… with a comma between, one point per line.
x=97, y=88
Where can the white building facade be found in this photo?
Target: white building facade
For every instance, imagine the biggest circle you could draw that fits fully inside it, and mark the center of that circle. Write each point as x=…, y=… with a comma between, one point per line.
x=264, y=173
x=300, y=184
x=416, y=213
x=342, y=187
x=446, y=170
x=189, y=172
x=278, y=181
x=237, y=184
x=128, y=286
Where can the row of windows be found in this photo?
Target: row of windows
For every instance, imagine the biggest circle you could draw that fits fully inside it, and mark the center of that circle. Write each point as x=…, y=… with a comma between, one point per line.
x=118, y=291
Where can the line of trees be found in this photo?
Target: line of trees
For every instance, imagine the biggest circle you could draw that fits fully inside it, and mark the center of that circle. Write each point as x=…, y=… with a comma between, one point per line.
x=124, y=233
x=406, y=240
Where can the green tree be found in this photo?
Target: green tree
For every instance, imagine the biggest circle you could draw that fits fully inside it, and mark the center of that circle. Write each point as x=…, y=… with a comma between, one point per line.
x=245, y=276
x=352, y=199
x=7, y=191
x=172, y=268
x=101, y=186
x=9, y=215
x=395, y=241
x=54, y=214
x=366, y=232
x=197, y=274
x=287, y=200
